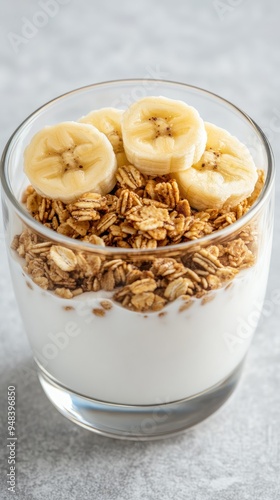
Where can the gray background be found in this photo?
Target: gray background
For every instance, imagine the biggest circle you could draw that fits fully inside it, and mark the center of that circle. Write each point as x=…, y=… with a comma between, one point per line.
x=230, y=47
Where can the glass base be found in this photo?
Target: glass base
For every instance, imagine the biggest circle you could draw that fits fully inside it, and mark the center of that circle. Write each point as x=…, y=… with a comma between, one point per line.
x=138, y=422
x=143, y=422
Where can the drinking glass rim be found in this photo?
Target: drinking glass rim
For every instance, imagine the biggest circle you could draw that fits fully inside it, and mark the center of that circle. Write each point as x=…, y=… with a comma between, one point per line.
x=50, y=234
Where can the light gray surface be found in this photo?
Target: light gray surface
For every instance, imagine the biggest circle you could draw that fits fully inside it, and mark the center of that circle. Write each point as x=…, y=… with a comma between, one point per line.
x=230, y=47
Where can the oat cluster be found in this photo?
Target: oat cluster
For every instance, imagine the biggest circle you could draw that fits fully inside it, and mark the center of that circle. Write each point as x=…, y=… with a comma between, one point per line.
x=141, y=212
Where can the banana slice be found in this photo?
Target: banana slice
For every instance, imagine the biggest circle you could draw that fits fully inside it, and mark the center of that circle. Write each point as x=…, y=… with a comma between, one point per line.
x=225, y=174
x=162, y=135
x=108, y=121
x=67, y=160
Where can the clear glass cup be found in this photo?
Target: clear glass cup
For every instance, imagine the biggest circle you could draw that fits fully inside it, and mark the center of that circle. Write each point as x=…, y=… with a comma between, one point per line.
x=147, y=373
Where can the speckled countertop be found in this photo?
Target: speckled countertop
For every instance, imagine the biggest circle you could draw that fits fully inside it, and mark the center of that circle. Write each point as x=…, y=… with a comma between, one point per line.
x=231, y=48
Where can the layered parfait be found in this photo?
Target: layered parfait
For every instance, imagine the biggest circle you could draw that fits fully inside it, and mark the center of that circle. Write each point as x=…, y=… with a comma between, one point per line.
x=141, y=292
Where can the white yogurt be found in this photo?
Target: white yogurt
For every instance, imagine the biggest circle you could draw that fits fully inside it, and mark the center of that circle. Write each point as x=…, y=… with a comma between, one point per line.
x=136, y=358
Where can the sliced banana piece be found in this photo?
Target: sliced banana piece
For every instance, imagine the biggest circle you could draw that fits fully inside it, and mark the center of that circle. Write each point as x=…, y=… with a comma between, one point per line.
x=225, y=174
x=162, y=135
x=67, y=160
x=108, y=121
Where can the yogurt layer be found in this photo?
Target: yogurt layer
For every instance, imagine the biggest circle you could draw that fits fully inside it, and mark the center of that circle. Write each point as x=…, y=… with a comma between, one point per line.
x=101, y=350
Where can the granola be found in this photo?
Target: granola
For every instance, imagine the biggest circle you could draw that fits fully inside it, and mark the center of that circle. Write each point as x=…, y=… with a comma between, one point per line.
x=142, y=212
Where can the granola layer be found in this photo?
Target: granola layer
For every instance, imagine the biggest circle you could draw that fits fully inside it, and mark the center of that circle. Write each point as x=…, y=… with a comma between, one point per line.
x=141, y=212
